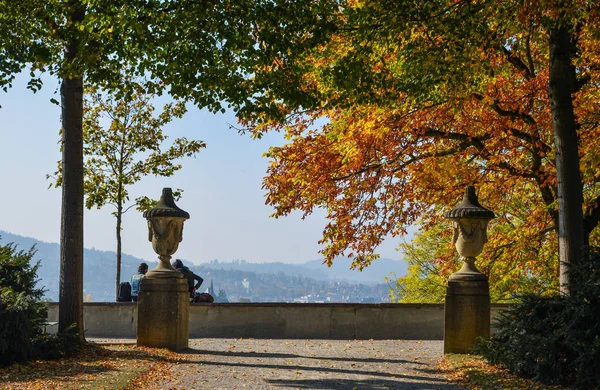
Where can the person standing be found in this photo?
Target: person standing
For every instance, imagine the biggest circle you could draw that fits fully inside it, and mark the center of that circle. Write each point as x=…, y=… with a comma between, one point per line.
x=136, y=279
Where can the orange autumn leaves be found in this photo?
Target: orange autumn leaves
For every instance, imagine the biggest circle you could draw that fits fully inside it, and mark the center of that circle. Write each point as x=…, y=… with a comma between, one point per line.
x=380, y=160
x=377, y=172
x=94, y=367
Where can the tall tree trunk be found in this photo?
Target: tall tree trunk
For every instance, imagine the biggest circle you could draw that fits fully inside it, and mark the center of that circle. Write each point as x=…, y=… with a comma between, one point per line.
x=119, y=219
x=570, y=195
x=71, y=234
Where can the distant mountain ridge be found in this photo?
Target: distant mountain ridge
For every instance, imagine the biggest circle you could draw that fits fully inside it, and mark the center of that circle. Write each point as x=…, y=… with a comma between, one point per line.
x=100, y=269
x=339, y=271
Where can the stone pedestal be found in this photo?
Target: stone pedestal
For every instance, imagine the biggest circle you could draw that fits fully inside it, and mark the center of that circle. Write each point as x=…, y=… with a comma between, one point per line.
x=163, y=313
x=467, y=314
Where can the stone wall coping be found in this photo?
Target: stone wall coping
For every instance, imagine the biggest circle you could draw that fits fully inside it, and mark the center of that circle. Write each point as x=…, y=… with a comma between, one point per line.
x=297, y=304
x=280, y=320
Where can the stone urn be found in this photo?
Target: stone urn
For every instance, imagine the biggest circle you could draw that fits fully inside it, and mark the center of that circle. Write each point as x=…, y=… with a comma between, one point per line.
x=470, y=221
x=165, y=231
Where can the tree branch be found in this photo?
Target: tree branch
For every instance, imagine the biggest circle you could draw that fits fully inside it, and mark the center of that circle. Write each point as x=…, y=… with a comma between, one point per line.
x=508, y=113
x=466, y=141
x=592, y=216
x=548, y=195
x=535, y=142
x=582, y=82
x=477, y=142
x=127, y=209
x=517, y=63
x=528, y=51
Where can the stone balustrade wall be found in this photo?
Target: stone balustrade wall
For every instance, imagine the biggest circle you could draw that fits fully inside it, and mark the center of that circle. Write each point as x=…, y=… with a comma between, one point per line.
x=281, y=320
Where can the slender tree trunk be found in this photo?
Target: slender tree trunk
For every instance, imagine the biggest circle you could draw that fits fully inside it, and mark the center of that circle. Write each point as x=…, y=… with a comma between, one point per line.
x=570, y=196
x=119, y=219
x=71, y=235
x=120, y=211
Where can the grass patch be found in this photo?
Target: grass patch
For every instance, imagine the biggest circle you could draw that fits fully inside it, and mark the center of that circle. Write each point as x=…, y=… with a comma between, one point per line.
x=94, y=367
x=474, y=372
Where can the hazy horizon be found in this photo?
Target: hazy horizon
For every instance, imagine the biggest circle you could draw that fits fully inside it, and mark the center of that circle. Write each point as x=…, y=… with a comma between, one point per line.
x=5, y=241
x=302, y=278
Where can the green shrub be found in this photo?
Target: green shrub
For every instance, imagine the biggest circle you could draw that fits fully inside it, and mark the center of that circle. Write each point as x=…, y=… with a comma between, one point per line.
x=55, y=346
x=555, y=340
x=22, y=312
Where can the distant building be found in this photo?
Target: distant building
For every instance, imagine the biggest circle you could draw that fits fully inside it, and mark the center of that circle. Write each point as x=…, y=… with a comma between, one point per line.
x=221, y=297
x=211, y=289
x=370, y=300
x=310, y=298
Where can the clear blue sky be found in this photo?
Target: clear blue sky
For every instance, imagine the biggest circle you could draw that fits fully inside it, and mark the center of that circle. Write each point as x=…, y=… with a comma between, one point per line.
x=222, y=185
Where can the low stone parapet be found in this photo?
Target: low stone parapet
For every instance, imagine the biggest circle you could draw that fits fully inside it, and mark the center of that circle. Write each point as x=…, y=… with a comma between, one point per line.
x=280, y=320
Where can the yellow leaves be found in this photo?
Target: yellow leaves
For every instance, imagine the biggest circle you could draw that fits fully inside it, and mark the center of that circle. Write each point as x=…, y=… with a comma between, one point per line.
x=411, y=149
x=488, y=100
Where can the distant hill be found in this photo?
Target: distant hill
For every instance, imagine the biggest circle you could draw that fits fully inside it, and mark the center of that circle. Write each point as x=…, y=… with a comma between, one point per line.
x=339, y=271
x=374, y=273
x=270, y=281
x=99, y=268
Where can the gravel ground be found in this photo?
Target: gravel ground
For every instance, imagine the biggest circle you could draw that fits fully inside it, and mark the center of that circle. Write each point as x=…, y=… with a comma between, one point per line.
x=306, y=364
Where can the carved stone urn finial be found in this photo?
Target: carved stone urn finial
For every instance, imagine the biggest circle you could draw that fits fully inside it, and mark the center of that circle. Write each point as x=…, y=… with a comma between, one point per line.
x=165, y=231
x=470, y=221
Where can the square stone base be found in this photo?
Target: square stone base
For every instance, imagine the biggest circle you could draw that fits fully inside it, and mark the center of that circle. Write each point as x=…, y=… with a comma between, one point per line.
x=163, y=313
x=466, y=315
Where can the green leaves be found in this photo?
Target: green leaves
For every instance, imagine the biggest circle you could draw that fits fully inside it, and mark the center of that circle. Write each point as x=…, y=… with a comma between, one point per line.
x=426, y=278
x=124, y=141
x=21, y=309
x=144, y=203
x=132, y=146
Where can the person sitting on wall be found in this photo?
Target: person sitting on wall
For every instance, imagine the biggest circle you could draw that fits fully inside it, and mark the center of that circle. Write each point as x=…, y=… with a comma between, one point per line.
x=136, y=279
x=194, y=281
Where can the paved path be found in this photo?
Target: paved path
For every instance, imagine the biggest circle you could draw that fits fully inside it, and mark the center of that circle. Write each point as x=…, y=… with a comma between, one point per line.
x=307, y=364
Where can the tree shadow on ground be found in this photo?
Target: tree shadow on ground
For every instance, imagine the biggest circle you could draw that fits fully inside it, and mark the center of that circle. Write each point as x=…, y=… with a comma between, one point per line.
x=266, y=355
x=32, y=373
x=370, y=384
x=90, y=360
x=329, y=370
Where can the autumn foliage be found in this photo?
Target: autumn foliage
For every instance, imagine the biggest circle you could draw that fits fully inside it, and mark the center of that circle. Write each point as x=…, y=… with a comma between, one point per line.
x=412, y=103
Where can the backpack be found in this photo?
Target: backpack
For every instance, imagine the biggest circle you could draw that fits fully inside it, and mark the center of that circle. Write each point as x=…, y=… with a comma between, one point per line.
x=202, y=297
x=124, y=292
